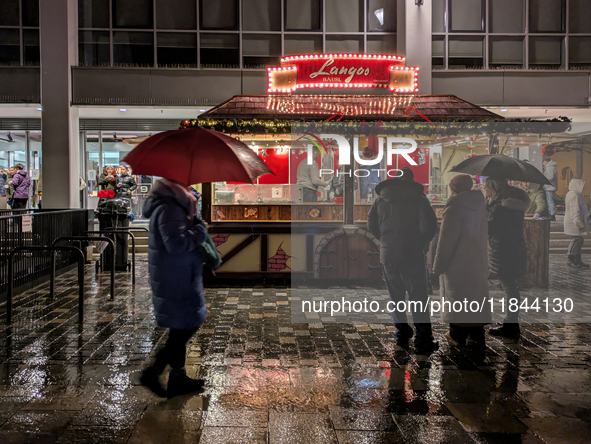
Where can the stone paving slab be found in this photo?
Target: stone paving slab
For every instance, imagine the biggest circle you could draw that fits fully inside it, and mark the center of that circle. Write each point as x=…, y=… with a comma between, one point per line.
x=269, y=380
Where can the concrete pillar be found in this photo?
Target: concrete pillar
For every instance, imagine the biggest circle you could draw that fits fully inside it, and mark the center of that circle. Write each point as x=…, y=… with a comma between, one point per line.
x=58, y=22
x=413, y=38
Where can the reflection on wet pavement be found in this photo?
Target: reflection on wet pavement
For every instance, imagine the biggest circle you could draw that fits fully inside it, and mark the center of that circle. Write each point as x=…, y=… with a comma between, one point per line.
x=271, y=381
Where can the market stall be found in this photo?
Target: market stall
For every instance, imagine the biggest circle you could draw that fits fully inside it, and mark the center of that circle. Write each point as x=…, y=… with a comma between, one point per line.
x=268, y=229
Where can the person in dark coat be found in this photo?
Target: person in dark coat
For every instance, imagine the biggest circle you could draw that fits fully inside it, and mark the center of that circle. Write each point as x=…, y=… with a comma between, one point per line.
x=507, y=250
x=108, y=180
x=404, y=222
x=175, y=268
x=125, y=183
x=20, y=183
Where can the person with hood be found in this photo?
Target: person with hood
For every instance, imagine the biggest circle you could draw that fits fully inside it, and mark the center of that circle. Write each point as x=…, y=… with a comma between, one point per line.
x=507, y=250
x=461, y=260
x=538, y=205
x=175, y=268
x=125, y=183
x=108, y=180
x=20, y=183
x=576, y=222
x=402, y=219
x=552, y=175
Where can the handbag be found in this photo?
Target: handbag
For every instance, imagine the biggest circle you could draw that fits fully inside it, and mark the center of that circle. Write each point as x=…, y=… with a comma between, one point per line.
x=208, y=251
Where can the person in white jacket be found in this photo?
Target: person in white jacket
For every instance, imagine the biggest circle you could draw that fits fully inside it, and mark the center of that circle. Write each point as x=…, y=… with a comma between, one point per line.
x=576, y=224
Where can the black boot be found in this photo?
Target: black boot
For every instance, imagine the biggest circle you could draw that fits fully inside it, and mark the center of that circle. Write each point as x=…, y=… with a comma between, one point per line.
x=180, y=384
x=511, y=331
x=150, y=379
x=580, y=262
x=572, y=262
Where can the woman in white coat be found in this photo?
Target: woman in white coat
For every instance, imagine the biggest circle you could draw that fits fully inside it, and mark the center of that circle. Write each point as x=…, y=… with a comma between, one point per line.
x=462, y=262
x=576, y=224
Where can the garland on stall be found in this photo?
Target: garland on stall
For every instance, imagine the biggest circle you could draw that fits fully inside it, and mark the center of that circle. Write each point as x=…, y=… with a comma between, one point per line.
x=256, y=126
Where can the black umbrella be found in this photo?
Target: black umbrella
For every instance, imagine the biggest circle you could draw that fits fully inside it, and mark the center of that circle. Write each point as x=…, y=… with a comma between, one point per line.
x=499, y=166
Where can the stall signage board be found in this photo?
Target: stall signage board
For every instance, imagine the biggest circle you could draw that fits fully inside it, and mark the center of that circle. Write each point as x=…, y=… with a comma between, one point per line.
x=343, y=71
x=27, y=224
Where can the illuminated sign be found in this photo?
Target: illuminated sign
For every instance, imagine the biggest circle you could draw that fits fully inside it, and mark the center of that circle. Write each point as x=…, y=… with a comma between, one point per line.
x=343, y=71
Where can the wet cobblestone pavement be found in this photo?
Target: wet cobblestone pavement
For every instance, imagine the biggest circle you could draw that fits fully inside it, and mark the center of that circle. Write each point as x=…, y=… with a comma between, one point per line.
x=271, y=381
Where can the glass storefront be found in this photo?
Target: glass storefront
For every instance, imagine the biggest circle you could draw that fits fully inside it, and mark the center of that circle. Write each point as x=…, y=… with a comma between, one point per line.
x=23, y=147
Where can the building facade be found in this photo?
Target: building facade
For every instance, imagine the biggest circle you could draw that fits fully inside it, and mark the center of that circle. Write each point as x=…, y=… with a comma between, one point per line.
x=80, y=78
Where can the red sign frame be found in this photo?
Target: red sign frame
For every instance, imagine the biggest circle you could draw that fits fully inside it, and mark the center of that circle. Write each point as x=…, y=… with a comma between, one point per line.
x=343, y=71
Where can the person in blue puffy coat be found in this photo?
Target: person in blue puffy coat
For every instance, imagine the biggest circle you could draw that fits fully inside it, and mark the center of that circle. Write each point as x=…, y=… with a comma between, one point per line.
x=175, y=268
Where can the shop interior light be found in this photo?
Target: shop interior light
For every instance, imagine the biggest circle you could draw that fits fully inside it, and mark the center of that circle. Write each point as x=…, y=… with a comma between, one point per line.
x=379, y=13
x=39, y=109
x=123, y=110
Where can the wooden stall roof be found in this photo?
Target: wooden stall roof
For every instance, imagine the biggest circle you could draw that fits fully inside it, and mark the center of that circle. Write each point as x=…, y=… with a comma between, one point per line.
x=437, y=108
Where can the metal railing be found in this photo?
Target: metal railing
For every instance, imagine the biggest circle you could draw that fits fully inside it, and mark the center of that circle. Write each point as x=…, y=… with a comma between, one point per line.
x=53, y=249
x=36, y=229
x=80, y=239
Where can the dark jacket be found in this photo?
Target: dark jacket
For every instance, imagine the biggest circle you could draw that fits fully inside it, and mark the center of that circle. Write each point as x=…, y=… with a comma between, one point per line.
x=403, y=220
x=506, y=242
x=175, y=266
x=538, y=202
x=108, y=184
x=127, y=183
x=20, y=182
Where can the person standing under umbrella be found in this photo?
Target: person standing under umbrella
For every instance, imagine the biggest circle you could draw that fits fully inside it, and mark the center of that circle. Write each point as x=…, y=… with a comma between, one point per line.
x=551, y=174
x=461, y=260
x=175, y=267
x=507, y=250
x=576, y=224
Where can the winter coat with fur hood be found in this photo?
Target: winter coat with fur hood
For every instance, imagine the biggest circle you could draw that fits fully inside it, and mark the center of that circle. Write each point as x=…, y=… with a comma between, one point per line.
x=507, y=250
x=404, y=222
x=576, y=211
x=462, y=256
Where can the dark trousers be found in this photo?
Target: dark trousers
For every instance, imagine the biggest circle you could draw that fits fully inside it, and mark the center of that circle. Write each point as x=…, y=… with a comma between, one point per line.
x=576, y=245
x=309, y=195
x=460, y=333
x=19, y=203
x=509, y=284
x=410, y=279
x=175, y=349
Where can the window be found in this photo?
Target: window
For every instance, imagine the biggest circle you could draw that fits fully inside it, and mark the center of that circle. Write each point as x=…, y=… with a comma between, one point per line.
x=439, y=16
x=31, y=54
x=302, y=15
x=302, y=44
x=219, y=14
x=466, y=52
x=176, y=14
x=136, y=14
x=30, y=12
x=506, y=52
x=350, y=44
x=261, y=15
x=381, y=44
x=466, y=15
x=506, y=16
x=9, y=13
x=580, y=16
x=133, y=48
x=219, y=51
x=94, y=48
x=344, y=15
x=545, y=52
x=381, y=15
x=547, y=15
x=580, y=52
x=10, y=50
x=93, y=13
x=177, y=49
x=438, y=52
x=260, y=50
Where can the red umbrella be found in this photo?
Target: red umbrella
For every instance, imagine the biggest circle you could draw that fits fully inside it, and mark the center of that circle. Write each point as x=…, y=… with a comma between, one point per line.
x=196, y=155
